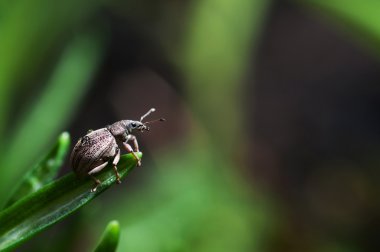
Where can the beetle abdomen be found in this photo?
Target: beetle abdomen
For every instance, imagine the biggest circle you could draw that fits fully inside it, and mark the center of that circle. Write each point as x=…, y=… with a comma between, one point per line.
x=92, y=150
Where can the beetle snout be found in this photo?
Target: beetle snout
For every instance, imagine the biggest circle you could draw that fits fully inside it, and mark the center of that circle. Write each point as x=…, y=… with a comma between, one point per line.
x=145, y=128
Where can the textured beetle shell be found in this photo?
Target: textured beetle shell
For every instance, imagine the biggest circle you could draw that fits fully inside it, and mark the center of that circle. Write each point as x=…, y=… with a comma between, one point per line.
x=92, y=150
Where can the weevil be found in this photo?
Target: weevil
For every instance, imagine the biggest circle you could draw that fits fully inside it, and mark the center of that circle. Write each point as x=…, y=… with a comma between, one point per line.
x=97, y=148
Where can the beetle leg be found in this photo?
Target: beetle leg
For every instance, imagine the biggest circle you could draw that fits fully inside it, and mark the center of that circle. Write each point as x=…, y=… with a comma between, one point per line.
x=135, y=143
x=129, y=149
x=98, y=168
x=97, y=182
x=95, y=170
x=114, y=163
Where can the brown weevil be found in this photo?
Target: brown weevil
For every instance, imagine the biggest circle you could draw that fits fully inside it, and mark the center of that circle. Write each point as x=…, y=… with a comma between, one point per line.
x=95, y=150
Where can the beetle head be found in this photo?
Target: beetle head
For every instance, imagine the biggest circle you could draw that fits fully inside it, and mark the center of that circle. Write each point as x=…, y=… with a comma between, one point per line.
x=135, y=125
x=140, y=125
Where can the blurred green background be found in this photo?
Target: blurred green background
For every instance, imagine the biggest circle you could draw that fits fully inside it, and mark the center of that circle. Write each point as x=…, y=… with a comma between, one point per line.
x=272, y=134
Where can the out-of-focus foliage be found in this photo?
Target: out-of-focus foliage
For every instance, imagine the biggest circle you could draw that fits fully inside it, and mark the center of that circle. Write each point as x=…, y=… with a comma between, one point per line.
x=194, y=196
x=360, y=17
x=40, y=122
x=30, y=32
x=216, y=66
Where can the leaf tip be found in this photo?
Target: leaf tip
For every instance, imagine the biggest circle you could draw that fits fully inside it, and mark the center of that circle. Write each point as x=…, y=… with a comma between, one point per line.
x=113, y=227
x=110, y=237
x=65, y=136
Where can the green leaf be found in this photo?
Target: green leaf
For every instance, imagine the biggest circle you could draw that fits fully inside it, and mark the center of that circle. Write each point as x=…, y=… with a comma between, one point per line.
x=110, y=238
x=54, y=202
x=44, y=172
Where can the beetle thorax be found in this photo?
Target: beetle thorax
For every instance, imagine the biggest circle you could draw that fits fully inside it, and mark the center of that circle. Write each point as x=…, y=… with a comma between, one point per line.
x=118, y=128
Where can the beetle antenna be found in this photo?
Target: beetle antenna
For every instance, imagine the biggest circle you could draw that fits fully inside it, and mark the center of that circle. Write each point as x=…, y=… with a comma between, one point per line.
x=147, y=113
x=156, y=120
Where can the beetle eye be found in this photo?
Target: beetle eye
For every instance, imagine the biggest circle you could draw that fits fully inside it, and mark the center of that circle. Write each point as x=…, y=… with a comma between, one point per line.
x=133, y=125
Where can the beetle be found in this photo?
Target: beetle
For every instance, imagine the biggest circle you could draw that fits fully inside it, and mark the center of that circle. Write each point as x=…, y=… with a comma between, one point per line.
x=97, y=148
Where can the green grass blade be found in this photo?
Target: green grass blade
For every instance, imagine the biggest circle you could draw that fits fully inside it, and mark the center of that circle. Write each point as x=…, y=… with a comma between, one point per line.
x=52, y=203
x=45, y=171
x=110, y=238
